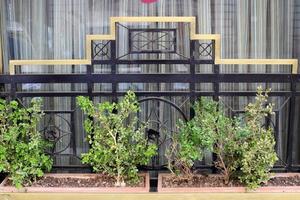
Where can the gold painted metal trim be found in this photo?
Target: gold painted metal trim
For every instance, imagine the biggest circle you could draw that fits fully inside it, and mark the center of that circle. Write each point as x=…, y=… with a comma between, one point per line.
x=193, y=36
x=13, y=63
x=292, y=62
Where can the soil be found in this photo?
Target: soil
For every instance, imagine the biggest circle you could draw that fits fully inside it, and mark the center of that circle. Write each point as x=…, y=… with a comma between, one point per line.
x=218, y=181
x=97, y=181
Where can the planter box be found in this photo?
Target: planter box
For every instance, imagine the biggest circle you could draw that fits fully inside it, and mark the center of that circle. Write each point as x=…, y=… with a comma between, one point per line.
x=11, y=189
x=134, y=195
x=267, y=189
x=149, y=196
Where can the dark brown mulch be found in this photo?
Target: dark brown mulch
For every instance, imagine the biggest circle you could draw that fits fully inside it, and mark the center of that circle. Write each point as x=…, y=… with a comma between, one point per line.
x=218, y=181
x=284, y=181
x=97, y=181
x=196, y=181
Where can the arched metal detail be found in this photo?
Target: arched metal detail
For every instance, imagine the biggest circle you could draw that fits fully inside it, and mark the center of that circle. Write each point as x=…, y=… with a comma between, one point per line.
x=168, y=102
x=161, y=126
x=56, y=133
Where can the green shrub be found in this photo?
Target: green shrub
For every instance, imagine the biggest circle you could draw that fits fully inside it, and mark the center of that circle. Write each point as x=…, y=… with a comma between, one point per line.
x=244, y=148
x=189, y=144
x=224, y=136
x=211, y=130
x=225, y=139
x=21, y=145
x=256, y=153
x=117, y=140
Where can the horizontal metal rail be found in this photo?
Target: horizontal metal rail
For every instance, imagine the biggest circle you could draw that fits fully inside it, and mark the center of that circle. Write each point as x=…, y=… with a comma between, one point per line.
x=149, y=78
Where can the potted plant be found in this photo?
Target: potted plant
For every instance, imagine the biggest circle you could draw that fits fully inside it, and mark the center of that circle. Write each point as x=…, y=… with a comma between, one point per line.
x=117, y=147
x=244, y=149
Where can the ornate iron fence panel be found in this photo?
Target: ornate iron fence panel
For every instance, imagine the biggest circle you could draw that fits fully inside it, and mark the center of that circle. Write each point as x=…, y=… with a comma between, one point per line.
x=144, y=41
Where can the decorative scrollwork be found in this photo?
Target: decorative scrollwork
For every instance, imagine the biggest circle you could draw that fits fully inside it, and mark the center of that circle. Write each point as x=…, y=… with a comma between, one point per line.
x=205, y=50
x=161, y=126
x=101, y=50
x=57, y=130
x=152, y=40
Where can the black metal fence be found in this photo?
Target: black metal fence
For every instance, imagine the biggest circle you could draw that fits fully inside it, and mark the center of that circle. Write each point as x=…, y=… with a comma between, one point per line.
x=106, y=53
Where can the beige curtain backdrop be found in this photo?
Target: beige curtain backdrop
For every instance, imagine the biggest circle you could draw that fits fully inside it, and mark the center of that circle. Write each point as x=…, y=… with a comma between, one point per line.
x=56, y=29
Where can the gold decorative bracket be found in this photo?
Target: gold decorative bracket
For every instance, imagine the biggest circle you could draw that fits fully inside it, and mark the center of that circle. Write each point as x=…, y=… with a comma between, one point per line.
x=193, y=35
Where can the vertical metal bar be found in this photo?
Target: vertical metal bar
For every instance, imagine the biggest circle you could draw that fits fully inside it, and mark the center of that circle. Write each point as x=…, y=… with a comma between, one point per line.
x=216, y=84
x=268, y=121
x=216, y=89
x=216, y=70
x=73, y=129
x=175, y=41
x=276, y=128
x=1, y=53
x=193, y=80
x=291, y=124
x=213, y=50
x=113, y=69
x=2, y=86
x=13, y=89
x=129, y=39
x=89, y=71
x=73, y=105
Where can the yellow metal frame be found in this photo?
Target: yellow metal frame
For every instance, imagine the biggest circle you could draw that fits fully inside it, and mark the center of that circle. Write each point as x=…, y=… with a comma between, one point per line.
x=193, y=35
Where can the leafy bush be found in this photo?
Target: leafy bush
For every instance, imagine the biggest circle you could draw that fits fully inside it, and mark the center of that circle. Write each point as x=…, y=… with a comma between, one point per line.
x=21, y=145
x=118, y=144
x=189, y=144
x=256, y=153
x=210, y=129
x=244, y=148
x=224, y=138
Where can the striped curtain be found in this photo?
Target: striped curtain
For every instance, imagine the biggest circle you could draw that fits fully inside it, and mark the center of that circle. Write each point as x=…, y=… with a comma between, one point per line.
x=56, y=29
